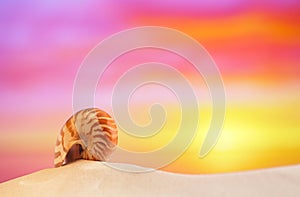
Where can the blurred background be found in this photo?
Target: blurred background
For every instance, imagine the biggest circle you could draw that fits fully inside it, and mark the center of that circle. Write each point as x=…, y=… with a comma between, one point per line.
x=256, y=45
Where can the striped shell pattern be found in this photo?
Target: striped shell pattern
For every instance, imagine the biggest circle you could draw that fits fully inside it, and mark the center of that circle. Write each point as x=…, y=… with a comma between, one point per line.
x=89, y=134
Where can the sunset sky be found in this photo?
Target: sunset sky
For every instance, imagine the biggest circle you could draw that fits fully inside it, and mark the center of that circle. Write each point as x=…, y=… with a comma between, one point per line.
x=255, y=44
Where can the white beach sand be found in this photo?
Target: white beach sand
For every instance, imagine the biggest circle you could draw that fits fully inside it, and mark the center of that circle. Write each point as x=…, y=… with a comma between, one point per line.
x=89, y=178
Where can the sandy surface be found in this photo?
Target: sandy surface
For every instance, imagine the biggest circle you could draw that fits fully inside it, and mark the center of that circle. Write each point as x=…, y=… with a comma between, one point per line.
x=88, y=178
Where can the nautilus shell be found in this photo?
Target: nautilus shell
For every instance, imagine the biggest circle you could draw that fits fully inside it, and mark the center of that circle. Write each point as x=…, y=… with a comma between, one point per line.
x=89, y=134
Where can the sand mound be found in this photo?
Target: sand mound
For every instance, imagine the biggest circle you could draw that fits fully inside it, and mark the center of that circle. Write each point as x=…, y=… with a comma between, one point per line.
x=88, y=178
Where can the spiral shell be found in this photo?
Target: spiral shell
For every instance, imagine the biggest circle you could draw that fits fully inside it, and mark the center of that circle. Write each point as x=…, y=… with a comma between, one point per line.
x=89, y=134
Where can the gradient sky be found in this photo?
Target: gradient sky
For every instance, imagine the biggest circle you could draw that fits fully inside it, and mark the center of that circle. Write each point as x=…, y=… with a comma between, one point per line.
x=255, y=44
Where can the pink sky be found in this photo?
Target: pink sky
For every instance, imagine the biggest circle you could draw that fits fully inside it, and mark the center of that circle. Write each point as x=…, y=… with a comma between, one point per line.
x=42, y=44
